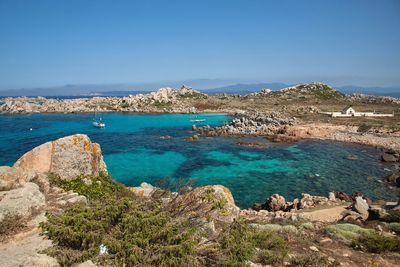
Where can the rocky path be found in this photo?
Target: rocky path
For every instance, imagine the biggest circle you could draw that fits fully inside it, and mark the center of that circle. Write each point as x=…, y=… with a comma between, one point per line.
x=332, y=214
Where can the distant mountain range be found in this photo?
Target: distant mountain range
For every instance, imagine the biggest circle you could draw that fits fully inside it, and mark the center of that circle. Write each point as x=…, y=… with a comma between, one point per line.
x=209, y=86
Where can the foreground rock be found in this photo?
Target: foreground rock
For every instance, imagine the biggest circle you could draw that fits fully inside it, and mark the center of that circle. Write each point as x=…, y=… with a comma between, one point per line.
x=67, y=157
x=23, y=201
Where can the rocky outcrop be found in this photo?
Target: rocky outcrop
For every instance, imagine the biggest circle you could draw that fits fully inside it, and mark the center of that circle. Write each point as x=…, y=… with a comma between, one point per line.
x=144, y=190
x=23, y=201
x=275, y=202
x=207, y=207
x=67, y=157
x=250, y=123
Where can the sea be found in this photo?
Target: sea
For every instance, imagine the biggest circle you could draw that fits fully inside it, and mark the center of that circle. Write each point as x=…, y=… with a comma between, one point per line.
x=153, y=149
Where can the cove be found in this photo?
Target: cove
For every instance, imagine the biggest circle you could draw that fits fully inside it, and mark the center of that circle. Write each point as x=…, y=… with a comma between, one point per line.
x=135, y=153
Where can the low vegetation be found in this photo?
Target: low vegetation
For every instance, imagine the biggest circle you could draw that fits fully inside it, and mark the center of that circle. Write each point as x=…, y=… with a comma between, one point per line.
x=118, y=228
x=10, y=225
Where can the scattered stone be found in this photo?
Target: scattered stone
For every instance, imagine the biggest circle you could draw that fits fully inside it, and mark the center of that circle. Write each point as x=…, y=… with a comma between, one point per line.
x=314, y=248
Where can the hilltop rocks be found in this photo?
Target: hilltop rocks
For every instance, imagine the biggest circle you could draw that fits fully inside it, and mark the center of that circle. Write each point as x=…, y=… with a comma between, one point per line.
x=21, y=201
x=68, y=157
x=208, y=207
x=165, y=100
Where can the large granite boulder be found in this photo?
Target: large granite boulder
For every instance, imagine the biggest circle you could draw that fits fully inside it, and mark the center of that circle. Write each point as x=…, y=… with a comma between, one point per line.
x=22, y=201
x=207, y=207
x=275, y=202
x=68, y=157
x=361, y=206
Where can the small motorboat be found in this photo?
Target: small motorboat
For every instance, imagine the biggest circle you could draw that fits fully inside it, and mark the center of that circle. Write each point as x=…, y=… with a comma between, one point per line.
x=198, y=120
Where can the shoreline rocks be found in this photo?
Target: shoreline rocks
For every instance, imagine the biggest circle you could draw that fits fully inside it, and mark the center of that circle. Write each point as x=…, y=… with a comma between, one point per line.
x=250, y=123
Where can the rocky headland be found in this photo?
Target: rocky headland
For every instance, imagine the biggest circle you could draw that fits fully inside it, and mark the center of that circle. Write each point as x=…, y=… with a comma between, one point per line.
x=59, y=207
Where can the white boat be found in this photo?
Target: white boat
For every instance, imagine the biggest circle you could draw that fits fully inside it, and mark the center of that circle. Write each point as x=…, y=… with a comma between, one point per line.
x=199, y=120
x=99, y=124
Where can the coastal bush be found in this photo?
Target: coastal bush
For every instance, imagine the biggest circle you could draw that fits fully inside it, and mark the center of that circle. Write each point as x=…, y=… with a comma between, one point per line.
x=136, y=232
x=133, y=233
x=395, y=227
x=392, y=216
x=240, y=243
x=236, y=245
x=10, y=225
x=93, y=187
x=376, y=243
x=346, y=231
x=273, y=249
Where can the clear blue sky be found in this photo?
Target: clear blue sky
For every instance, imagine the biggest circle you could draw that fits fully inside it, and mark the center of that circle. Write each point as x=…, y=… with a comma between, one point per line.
x=56, y=42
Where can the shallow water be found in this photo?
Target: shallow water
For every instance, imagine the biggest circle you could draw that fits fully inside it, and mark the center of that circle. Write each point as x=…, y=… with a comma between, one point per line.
x=134, y=153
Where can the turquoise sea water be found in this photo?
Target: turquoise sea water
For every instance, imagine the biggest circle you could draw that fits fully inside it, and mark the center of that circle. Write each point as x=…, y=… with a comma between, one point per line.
x=134, y=153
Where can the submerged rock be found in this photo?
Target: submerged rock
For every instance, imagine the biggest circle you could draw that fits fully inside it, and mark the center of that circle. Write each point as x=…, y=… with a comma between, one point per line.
x=68, y=157
x=388, y=158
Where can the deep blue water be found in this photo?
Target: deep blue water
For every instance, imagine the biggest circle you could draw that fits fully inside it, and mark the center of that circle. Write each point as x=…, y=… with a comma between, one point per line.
x=134, y=153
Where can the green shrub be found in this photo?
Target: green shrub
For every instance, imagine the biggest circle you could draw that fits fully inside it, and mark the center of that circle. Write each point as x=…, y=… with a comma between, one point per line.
x=395, y=227
x=273, y=248
x=136, y=233
x=376, y=243
x=93, y=187
x=392, y=216
x=346, y=231
x=236, y=245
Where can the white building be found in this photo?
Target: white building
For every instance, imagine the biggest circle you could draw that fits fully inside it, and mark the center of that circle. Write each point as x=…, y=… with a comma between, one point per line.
x=350, y=112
